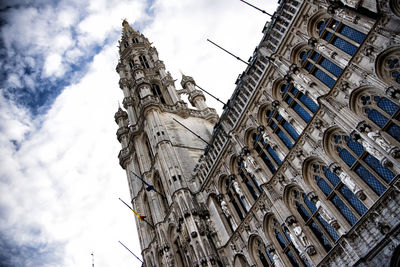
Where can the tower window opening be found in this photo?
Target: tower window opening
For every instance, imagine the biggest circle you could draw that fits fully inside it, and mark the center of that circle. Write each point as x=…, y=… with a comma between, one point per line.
x=126, y=44
x=157, y=92
x=135, y=40
x=144, y=62
x=131, y=64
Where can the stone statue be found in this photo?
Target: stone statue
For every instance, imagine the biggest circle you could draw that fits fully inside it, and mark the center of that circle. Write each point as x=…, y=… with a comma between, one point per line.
x=374, y=152
x=323, y=212
x=238, y=190
x=225, y=209
x=277, y=260
x=284, y=114
x=295, y=242
x=250, y=164
x=298, y=231
x=268, y=140
x=383, y=143
x=348, y=181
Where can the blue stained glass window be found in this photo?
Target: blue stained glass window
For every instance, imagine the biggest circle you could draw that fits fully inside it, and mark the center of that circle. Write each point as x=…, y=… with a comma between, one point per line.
x=292, y=259
x=327, y=36
x=344, y=210
x=303, y=212
x=289, y=128
x=315, y=56
x=332, y=178
x=304, y=55
x=321, y=237
x=280, y=239
x=308, y=102
x=347, y=157
x=263, y=259
x=309, y=66
x=323, y=77
x=344, y=46
x=251, y=189
x=294, y=90
x=273, y=125
x=284, y=139
x=268, y=162
x=334, y=24
x=274, y=155
x=388, y=105
x=331, y=231
x=288, y=100
x=331, y=67
x=374, y=163
x=376, y=117
x=352, y=34
x=354, y=146
x=321, y=26
x=394, y=131
x=323, y=185
x=284, y=89
x=355, y=202
x=377, y=186
x=301, y=112
x=310, y=204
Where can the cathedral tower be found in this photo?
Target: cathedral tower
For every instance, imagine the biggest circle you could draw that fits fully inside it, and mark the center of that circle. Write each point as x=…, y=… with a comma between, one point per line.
x=161, y=152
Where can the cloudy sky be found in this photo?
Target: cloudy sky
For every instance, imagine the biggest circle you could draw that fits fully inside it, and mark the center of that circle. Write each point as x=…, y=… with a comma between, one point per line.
x=60, y=179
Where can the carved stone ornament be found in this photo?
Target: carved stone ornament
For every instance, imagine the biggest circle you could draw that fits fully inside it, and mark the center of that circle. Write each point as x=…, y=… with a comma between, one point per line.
x=393, y=93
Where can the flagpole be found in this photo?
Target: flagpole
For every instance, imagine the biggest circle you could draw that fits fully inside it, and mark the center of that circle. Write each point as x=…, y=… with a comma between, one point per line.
x=137, y=214
x=216, y=98
x=149, y=186
x=259, y=9
x=198, y=136
x=130, y=251
x=238, y=58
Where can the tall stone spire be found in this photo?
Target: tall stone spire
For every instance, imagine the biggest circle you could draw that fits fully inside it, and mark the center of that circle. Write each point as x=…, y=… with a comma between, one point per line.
x=154, y=146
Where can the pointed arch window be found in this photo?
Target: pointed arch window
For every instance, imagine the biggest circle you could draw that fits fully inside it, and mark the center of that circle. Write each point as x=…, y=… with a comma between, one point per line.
x=304, y=106
x=320, y=67
x=249, y=181
x=338, y=193
x=261, y=253
x=135, y=40
x=308, y=211
x=144, y=62
x=266, y=152
x=235, y=199
x=366, y=166
x=383, y=112
x=282, y=128
x=340, y=35
x=394, y=68
x=157, y=92
x=281, y=234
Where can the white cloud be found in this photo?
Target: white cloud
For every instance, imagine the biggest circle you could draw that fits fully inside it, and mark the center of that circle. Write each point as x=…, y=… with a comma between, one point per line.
x=52, y=65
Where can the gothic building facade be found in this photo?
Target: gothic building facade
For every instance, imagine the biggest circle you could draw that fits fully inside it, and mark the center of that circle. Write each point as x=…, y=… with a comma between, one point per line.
x=302, y=167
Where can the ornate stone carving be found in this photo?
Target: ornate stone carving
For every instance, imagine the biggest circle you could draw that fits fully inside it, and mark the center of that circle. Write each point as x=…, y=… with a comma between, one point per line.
x=347, y=180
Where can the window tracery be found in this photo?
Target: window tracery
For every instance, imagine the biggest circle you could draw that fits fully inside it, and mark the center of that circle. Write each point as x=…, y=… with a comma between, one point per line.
x=313, y=219
x=360, y=162
x=248, y=179
x=261, y=255
x=266, y=150
x=303, y=105
x=381, y=112
x=388, y=66
x=340, y=35
x=281, y=236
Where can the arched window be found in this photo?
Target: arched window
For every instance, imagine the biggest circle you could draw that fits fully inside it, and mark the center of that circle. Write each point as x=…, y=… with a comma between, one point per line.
x=248, y=180
x=282, y=237
x=340, y=35
x=235, y=199
x=157, y=92
x=366, y=166
x=320, y=67
x=304, y=106
x=266, y=152
x=383, y=112
x=135, y=40
x=388, y=66
x=337, y=193
x=260, y=253
x=143, y=61
x=307, y=209
x=281, y=127
x=126, y=44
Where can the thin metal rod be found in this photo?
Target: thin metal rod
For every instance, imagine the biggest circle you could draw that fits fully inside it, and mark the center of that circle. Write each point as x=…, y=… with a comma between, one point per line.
x=137, y=214
x=216, y=98
x=238, y=58
x=92, y=259
x=198, y=136
x=259, y=9
x=149, y=186
x=130, y=251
